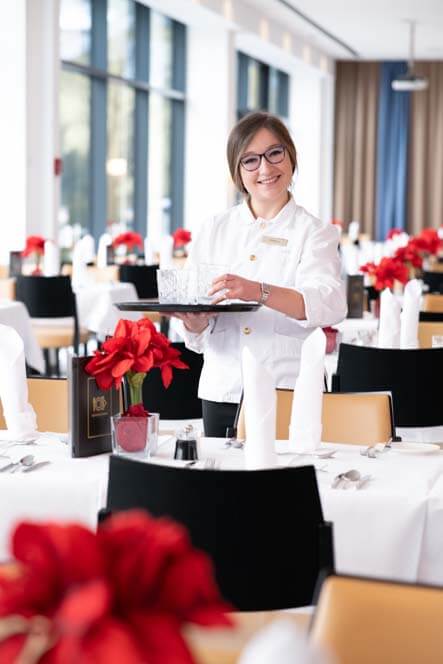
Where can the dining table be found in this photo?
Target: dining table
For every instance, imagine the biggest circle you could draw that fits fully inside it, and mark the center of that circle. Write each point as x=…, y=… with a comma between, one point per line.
x=389, y=528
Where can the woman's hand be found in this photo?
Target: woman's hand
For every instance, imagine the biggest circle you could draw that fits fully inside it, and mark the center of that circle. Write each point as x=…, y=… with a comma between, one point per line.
x=194, y=322
x=235, y=288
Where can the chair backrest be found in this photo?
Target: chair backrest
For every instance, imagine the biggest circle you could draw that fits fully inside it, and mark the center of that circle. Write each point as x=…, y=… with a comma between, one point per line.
x=434, y=281
x=412, y=376
x=180, y=400
x=49, y=398
x=433, y=303
x=355, y=418
x=7, y=288
x=366, y=620
x=46, y=297
x=144, y=278
x=427, y=330
x=264, y=529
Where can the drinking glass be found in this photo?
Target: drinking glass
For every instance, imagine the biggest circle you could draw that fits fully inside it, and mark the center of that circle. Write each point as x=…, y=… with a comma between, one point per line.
x=437, y=341
x=167, y=285
x=207, y=272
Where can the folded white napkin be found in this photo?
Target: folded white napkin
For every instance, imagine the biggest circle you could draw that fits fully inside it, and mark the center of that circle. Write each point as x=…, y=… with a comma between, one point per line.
x=350, y=258
x=389, y=329
x=166, y=249
x=80, y=277
x=149, y=252
x=354, y=230
x=259, y=403
x=282, y=642
x=51, y=259
x=410, y=315
x=306, y=415
x=18, y=412
x=88, y=247
x=104, y=242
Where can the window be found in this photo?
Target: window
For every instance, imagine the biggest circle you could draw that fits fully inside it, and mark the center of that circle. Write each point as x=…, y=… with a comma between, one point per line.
x=122, y=109
x=261, y=87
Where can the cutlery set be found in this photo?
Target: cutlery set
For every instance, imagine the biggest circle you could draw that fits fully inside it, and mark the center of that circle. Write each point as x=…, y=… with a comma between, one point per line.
x=25, y=465
x=351, y=479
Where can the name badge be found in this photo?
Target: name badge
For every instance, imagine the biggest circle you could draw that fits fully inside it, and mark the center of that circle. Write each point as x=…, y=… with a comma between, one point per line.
x=276, y=241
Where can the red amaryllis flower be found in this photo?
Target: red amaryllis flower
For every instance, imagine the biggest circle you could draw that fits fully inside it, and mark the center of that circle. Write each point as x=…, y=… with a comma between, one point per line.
x=135, y=349
x=428, y=241
x=121, y=595
x=393, y=232
x=129, y=240
x=181, y=237
x=388, y=271
x=35, y=244
x=368, y=268
x=409, y=254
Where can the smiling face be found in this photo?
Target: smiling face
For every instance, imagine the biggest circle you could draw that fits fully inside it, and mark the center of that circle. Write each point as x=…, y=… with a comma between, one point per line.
x=268, y=184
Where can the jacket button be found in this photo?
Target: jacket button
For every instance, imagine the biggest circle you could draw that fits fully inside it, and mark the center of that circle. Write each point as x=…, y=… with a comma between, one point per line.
x=247, y=330
x=252, y=257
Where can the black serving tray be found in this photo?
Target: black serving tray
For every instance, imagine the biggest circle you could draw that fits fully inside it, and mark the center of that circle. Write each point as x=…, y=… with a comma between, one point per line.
x=155, y=305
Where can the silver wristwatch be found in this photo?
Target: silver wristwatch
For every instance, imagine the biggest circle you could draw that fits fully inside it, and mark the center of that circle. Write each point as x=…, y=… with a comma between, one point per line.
x=265, y=291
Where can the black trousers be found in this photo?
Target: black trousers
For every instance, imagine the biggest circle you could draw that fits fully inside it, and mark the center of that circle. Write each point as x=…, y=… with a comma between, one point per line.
x=217, y=417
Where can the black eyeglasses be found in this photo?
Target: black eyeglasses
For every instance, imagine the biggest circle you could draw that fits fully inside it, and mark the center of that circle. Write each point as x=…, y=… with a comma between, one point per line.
x=273, y=155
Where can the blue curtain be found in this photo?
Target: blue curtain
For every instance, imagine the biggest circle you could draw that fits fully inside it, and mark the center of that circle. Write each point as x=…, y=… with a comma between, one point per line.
x=392, y=152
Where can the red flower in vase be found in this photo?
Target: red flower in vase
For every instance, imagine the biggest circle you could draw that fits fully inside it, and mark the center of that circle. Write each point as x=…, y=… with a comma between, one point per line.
x=409, y=254
x=137, y=581
x=181, y=237
x=393, y=232
x=35, y=244
x=129, y=239
x=388, y=271
x=428, y=241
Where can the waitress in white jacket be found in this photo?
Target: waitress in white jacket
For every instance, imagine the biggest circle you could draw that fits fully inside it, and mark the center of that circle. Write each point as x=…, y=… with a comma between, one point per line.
x=279, y=255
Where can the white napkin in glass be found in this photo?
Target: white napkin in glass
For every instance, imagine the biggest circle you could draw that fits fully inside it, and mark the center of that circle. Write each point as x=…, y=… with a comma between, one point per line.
x=80, y=277
x=104, y=242
x=305, y=428
x=259, y=404
x=51, y=259
x=389, y=329
x=18, y=412
x=410, y=315
x=166, y=252
x=282, y=642
x=149, y=252
x=88, y=245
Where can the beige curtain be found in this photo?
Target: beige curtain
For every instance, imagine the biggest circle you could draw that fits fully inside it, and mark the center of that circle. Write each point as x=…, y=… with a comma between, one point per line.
x=356, y=100
x=425, y=179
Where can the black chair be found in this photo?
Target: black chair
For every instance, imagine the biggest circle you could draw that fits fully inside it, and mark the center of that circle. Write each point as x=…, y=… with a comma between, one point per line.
x=431, y=317
x=263, y=529
x=144, y=278
x=51, y=297
x=179, y=401
x=413, y=377
x=434, y=281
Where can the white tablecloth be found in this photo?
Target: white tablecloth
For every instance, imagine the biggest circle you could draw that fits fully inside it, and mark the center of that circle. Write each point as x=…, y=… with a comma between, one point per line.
x=96, y=310
x=16, y=315
x=391, y=528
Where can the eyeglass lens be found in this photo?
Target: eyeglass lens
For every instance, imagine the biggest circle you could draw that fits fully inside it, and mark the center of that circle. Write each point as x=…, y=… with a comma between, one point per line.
x=274, y=155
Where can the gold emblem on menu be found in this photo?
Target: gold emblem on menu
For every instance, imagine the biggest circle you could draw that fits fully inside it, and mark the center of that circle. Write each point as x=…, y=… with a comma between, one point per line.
x=99, y=404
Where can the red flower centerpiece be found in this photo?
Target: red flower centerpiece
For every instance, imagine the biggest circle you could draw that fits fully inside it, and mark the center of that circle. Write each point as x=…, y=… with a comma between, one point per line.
x=35, y=247
x=135, y=349
x=386, y=273
x=129, y=241
x=182, y=237
x=121, y=595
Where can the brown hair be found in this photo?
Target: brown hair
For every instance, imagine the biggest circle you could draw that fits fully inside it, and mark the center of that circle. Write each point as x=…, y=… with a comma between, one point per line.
x=242, y=134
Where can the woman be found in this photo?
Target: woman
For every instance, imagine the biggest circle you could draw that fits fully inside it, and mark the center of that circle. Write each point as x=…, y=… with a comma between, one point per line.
x=278, y=254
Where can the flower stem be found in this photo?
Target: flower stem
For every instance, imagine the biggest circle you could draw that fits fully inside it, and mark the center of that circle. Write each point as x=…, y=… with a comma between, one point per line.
x=135, y=382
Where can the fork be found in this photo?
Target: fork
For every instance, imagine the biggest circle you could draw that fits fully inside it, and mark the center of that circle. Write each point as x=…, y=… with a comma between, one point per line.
x=210, y=464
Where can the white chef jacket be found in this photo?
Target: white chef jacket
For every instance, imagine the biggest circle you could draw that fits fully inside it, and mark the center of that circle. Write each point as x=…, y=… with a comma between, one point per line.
x=293, y=250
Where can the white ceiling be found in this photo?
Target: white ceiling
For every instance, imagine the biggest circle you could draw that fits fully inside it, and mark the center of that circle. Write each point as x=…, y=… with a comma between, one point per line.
x=375, y=29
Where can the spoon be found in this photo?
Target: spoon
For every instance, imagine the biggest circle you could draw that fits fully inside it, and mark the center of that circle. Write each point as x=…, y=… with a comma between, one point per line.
x=350, y=476
x=27, y=460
